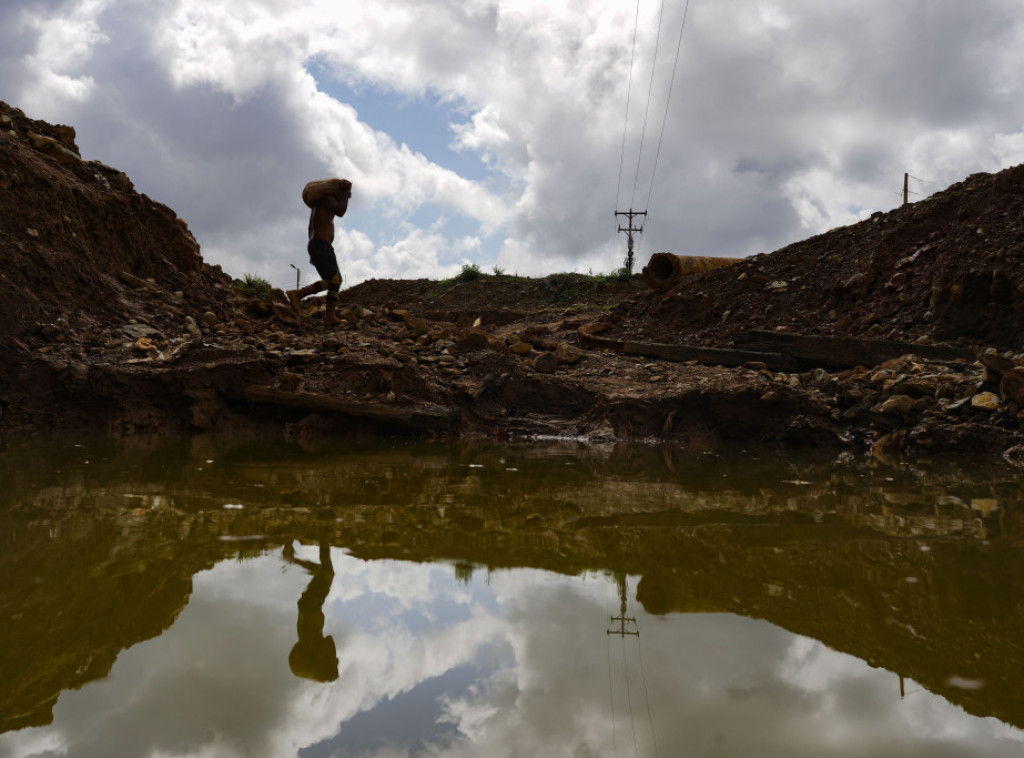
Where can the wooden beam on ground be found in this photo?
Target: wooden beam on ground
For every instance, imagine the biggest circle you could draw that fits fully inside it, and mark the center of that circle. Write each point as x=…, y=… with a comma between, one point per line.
x=843, y=352
x=426, y=418
x=712, y=356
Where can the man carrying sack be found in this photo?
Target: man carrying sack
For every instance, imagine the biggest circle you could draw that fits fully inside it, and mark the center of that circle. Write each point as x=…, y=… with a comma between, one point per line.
x=326, y=199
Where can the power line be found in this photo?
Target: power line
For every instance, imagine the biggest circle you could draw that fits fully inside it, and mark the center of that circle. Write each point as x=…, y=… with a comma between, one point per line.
x=611, y=692
x=643, y=132
x=629, y=699
x=647, y=696
x=629, y=89
x=647, y=108
x=668, y=99
x=611, y=695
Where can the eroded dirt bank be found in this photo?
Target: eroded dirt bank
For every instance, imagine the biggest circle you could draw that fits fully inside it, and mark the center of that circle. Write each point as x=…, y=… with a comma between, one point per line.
x=111, y=320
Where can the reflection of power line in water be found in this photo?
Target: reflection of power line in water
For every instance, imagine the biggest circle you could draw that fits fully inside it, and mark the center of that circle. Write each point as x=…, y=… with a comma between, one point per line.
x=627, y=627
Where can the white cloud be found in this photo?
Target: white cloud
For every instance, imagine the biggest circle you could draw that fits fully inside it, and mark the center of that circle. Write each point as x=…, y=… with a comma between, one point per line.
x=64, y=44
x=1009, y=148
x=783, y=117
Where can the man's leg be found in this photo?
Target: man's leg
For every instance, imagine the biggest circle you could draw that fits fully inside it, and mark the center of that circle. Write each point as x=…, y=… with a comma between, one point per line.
x=295, y=296
x=332, y=300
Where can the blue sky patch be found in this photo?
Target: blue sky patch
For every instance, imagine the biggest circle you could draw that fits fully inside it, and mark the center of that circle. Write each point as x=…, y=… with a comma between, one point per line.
x=421, y=122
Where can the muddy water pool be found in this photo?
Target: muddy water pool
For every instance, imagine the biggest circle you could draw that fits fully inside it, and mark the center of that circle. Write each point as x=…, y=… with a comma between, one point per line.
x=214, y=598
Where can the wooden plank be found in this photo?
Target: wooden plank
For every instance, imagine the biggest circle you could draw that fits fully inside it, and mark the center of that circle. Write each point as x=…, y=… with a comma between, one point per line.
x=711, y=355
x=844, y=352
x=587, y=335
x=424, y=418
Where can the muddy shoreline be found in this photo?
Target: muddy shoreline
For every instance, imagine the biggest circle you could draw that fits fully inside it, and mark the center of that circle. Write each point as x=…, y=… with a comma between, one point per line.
x=374, y=376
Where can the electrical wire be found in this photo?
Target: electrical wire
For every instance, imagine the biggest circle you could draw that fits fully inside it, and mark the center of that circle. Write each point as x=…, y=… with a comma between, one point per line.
x=629, y=89
x=629, y=699
x=668, y=99
x=647, y=696
x=647, y=108
x=611, y=695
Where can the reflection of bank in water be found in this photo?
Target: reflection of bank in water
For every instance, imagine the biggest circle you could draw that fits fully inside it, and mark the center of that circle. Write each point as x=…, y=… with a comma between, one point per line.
x=313, y=656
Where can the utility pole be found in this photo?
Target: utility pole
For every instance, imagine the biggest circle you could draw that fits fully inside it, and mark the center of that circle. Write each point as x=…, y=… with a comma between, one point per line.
x=622, y=618
x=906, y=188
x=630, y=230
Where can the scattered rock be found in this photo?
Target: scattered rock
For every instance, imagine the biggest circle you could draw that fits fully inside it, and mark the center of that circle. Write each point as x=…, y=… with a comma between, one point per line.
x=986, y=401
x=473, y=340
x=289, y=381
x=898, y=405
x=193, y=328
x=546, y=363
x=567, y=354
x=1011, y=386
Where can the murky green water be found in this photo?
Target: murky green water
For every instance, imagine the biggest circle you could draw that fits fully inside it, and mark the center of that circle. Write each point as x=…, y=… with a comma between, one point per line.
x=206, y=599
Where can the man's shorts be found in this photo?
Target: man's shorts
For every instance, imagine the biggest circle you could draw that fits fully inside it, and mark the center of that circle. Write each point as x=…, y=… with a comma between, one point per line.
x=321, y=255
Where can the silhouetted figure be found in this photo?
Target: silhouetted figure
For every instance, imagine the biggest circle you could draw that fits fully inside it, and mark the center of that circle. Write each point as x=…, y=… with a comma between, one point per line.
x=313, y=656
x=321, y=248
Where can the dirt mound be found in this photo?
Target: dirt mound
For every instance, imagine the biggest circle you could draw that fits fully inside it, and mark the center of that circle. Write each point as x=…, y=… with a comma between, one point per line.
x=948, y=267
x=110, y=320
x=495, y=299
x=78, y=242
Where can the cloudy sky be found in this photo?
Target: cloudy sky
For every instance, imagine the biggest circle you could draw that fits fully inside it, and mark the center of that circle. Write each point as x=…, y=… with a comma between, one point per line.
x=506, y=133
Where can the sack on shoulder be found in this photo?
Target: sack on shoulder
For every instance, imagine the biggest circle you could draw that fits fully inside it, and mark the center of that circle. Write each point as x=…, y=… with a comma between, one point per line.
x=321, y=188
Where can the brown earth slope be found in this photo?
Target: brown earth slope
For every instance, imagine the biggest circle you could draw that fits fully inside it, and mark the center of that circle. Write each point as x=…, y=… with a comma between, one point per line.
x=949, y=267
x=111, y=320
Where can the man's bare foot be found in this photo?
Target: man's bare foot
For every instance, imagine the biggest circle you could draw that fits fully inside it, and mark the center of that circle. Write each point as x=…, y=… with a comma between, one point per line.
x=295, y=298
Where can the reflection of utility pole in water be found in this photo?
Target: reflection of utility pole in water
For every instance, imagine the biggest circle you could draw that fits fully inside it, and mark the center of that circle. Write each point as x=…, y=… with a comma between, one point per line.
x=622, y=618
x=627, y=627
x=313, y=656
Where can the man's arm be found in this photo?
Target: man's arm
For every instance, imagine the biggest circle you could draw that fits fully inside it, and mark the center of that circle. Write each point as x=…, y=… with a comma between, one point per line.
x=340, y=204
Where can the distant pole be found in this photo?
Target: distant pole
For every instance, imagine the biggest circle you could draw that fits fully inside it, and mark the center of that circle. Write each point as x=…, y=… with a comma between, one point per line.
x=630, y=230
x=906, y=188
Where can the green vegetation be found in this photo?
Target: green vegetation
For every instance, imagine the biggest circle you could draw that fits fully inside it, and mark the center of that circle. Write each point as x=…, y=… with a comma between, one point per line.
x=249, y=553
x=618, y=275
x=470, y=271
x=564, y=288
x=463, y=572
x=254, y=286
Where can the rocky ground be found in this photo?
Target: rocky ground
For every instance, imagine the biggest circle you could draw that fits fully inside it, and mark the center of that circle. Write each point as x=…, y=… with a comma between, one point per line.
x=111, y=320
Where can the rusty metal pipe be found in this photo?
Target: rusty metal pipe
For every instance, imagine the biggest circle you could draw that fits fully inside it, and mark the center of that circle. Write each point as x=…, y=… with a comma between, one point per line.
x=664, y=270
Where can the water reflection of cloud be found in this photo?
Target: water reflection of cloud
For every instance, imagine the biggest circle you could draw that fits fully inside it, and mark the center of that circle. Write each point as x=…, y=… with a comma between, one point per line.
x=515, y=663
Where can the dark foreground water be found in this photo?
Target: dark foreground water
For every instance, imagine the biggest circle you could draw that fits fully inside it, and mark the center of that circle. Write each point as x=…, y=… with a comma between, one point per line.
x=205, y=599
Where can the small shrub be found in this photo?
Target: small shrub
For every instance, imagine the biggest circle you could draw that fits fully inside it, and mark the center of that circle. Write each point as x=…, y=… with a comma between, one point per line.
x=563, y=288
x=253, y=286
x=470, y=271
